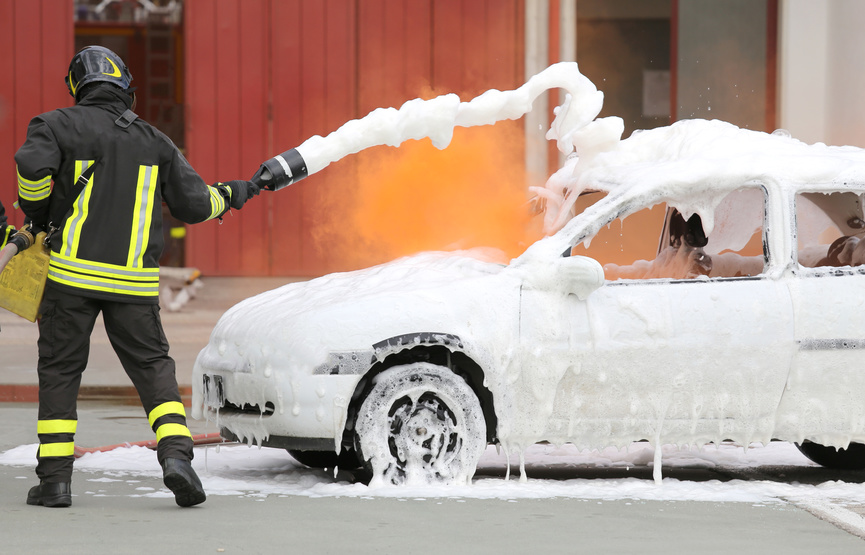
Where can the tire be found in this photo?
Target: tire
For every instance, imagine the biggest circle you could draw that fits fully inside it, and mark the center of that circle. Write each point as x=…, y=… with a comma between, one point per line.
x=852, y=458
x=346, y=460
x=420, y=424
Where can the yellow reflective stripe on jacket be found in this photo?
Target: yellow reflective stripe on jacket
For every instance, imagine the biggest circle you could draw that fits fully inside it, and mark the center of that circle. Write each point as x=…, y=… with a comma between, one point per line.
x=33, y=190
x=171, y=407
x=171, y=430
x=56, y=426
x=100, y=276
x=66, y=449
x=142, y=215
x=217, y=202
x=73, y=225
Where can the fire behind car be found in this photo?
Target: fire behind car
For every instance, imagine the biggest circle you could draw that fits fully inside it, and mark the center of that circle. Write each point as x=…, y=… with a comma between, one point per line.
x=744, y=322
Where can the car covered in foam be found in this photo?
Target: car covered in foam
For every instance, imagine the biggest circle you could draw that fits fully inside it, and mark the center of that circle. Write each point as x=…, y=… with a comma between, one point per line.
x=700, y=283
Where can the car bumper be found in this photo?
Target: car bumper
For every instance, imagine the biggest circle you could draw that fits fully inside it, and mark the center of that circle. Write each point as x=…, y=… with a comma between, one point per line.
x=296, y=412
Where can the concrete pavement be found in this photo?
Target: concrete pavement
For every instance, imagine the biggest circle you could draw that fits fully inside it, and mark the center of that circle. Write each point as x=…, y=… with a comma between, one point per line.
x=108, y=517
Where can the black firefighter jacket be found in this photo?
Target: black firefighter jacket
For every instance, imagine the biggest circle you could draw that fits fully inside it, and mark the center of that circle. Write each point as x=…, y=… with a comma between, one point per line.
x=111, y=240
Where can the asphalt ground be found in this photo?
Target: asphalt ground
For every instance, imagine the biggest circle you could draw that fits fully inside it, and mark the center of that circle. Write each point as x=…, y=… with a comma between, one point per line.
x=107, y=518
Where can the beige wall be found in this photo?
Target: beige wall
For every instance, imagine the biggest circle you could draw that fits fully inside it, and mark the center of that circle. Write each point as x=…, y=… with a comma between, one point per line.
x=821, y=73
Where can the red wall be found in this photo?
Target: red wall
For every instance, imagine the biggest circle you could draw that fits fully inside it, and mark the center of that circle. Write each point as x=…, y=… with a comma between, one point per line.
x=264, y=75
x=36, y=39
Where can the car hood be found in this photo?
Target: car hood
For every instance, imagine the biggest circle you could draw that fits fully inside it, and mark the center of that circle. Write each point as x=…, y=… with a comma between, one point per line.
x=406, y=275
x=299, y=324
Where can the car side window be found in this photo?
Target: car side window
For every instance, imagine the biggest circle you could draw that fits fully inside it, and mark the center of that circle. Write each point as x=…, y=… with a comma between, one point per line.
x=663, y=242
x=830, y=229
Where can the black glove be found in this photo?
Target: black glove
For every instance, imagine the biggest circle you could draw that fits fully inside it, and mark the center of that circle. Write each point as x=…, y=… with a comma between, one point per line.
x=241, y=191
x=252, y=189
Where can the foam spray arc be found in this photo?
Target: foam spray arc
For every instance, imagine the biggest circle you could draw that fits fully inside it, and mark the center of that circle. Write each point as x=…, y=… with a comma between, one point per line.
x=436, y=118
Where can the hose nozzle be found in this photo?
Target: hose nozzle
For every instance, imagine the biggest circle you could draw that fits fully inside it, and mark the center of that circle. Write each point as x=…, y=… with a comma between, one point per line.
x=281, y=171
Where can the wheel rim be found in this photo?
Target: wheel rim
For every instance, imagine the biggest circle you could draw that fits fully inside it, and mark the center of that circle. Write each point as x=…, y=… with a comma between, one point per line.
x=423, y=433
x=420, y=424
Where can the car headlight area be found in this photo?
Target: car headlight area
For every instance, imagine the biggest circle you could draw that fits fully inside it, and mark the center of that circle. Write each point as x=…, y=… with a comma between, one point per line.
x=291, y=410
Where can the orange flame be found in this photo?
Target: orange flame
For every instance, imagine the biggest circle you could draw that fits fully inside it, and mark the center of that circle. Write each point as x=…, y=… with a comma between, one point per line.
x=419, y=198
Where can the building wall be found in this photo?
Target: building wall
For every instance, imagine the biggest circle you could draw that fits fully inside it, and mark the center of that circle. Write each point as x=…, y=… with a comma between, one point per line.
x=802, y=70
x=845, y=115
x=264, y=75
x=36, y=38
x=822, y=70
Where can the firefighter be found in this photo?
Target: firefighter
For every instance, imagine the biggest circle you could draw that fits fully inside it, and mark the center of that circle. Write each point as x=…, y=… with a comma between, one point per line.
x=105, y=250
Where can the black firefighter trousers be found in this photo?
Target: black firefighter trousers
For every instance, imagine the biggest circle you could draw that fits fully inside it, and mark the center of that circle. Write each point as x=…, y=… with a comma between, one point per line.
x=135, y=332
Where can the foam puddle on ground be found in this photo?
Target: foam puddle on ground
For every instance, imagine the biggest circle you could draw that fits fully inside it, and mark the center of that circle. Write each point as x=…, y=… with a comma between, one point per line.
x=237, y=470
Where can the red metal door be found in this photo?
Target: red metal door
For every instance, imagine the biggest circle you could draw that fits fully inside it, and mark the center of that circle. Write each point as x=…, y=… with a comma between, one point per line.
x=264, y=75
x=36, y=38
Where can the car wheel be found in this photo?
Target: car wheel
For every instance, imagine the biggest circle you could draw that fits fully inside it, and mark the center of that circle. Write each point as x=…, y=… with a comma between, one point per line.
x=346, y=459
x=420, y=424
x=852, y=458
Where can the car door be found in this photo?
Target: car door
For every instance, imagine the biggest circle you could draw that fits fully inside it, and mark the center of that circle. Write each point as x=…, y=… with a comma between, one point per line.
x=824, y=400
x=677, y=360
x=687, y=361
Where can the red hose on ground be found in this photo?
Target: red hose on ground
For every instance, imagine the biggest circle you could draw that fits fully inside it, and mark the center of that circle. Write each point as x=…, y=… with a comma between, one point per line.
x=203, y=439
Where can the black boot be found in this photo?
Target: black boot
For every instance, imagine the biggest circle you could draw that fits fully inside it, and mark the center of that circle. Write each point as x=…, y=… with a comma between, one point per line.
x=51, y=494
x=181, y=479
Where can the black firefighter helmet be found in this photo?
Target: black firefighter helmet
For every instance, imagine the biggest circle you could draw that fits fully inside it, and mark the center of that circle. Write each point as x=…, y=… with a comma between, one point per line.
x=96, y=63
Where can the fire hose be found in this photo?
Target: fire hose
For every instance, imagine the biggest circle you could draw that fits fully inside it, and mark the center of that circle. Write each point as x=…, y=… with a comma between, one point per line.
x=436, y=119
x=202, y=439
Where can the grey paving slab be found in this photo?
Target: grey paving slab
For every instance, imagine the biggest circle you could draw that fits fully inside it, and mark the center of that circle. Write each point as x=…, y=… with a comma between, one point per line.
x=107, y=518
x=116, y=523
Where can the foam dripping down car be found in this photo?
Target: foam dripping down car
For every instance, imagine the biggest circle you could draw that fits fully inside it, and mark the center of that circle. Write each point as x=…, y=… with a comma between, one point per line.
x=744, y=322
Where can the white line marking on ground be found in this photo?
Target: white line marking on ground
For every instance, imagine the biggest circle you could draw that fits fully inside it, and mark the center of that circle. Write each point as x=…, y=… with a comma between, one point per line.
x=833, y=513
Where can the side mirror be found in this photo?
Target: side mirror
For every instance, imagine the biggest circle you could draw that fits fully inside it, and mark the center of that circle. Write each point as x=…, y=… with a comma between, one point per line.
x=580, y=275
x=570, y=275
